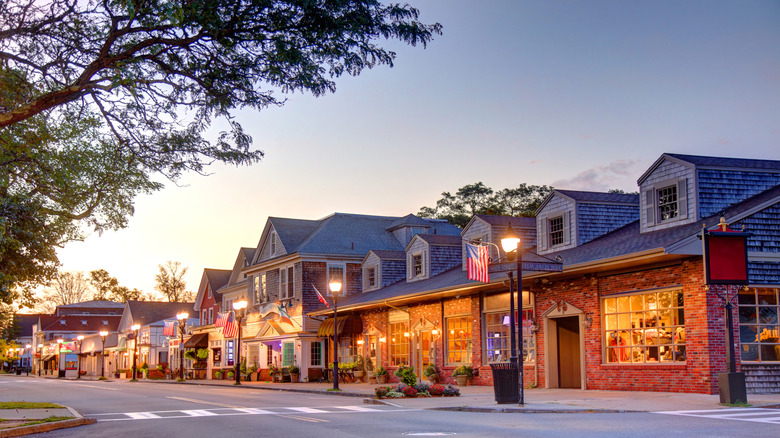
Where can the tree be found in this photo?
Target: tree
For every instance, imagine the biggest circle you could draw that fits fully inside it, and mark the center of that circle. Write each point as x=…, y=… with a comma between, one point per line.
x=66, y=288
x=170, y=282
x=98, y=97
x=477, y=198
x=107, y=288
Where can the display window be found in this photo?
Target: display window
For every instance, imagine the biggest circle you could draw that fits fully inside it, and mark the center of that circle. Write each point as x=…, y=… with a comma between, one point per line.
x=759, y=330
x=644, y=327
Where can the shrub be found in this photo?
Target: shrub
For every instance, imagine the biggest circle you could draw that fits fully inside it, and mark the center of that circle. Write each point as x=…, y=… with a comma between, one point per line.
x=451, y=391
x=436, y=390
x=463, y=370
x=429, y=370
x=406, y=374
x=381, y=391
x=203, y=353
x=394, y=394
x=380, y=371
x=409, y=391
x=231, y=375
x=421, y=387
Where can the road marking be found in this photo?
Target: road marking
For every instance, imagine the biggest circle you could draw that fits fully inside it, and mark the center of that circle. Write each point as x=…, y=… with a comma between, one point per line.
x=199, y=413
x=142, y=415
x=755, y=415
x=224, y=405
x=310, y=420
x=309, y=410
x=255, y=411
x=356, y=408
x=94, y=386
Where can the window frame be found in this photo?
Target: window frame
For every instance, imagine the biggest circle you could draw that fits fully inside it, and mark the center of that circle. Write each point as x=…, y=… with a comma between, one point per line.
x=555, y=229
x=766, y=329
x=315, y=354
x=451, y=341
x=398, y=345
x=529, y=339
x=287, y=282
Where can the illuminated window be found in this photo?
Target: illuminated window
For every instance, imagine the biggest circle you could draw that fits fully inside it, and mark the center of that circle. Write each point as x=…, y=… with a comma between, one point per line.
x=759, y=330
x=459, y=340
x=399, y=343
x=667, y=203
x=497, y=346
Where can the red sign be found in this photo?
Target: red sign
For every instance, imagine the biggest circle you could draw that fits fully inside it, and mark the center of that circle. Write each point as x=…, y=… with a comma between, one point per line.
x=725, y=257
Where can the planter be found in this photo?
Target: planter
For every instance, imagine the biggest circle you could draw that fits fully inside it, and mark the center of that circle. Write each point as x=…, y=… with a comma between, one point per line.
x=381, y=379
x=433, y=378
x=462, y=380
x=358, y=375
x=254, y=377
x=294, y=377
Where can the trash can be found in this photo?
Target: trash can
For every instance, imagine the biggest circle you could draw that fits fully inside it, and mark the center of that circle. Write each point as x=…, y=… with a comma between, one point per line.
x=18, y=371
x=505, y=377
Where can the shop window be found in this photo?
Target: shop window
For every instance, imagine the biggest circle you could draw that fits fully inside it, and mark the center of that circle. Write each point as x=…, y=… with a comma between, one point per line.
x=316, y=354
x=459, y=340
x=230, y=353
x=644, y=328
x=348, y=349
x=497, y=339
x=759, y=330
x=399, y=343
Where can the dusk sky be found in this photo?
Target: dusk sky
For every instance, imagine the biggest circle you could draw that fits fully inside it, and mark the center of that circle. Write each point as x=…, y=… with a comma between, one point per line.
x=580, y=95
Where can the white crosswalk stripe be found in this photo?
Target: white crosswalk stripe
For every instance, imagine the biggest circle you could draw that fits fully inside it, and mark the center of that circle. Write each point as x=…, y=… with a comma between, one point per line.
x=756, y=415
x=281, y=411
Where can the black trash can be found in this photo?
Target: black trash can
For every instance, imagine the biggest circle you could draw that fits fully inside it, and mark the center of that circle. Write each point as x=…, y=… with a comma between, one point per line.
x=505, y=382
x=18, y=371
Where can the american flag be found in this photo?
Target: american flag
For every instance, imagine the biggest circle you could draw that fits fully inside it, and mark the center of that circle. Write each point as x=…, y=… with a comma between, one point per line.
x=477, y=263
x=170, y=328
x=230, y=328
x=320, y=297
x=222, y=319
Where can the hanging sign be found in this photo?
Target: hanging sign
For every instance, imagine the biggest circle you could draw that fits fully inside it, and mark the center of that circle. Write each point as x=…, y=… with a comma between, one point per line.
x=725, y=256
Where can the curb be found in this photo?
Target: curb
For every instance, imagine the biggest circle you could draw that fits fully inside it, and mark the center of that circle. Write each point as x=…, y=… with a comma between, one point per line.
x=46, y=427
x=265, y=388
x=533, y=411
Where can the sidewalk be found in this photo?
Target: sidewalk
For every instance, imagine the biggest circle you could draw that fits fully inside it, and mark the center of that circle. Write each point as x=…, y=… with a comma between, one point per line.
x=481, y=398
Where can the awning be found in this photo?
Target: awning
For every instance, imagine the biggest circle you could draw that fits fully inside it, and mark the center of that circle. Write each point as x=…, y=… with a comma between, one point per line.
x=201, y=340
x=47, y=357
x=121, y=344
x=348, y=325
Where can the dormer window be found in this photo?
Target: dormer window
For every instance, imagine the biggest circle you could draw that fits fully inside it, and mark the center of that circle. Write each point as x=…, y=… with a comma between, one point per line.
x=556, y=231
x=273, y=243
x=417, y=265
x=371, y=276
x=667, y=203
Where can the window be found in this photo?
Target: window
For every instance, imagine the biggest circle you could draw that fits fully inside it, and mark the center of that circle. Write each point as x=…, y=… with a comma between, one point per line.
x=261, y=292
x=230, y=352
x=269, y=355
x=370, y=277
x=204, y=317
x=556, y=231
x=336, y=272
x=459, y=340
x=209, y=289
x=316, y=354
x=399, y=343
x=286, y=283
x=645, y=328
x=273, y=243
x=417, y=265
x=348, y=349
x=667, y=203
x=211, y=315
x=497, y=334
x=759, y=330
x=288, y=354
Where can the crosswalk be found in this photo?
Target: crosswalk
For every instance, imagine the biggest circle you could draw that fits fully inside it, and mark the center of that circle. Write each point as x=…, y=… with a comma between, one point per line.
x=281, y=411
x=756, y=415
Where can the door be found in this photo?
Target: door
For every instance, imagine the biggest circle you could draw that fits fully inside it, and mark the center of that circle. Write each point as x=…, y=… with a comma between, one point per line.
x=423, y=352
x=568, y=336
x=373, y=351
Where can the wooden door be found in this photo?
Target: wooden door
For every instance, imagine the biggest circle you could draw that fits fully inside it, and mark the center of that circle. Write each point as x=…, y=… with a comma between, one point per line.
x=569, y=375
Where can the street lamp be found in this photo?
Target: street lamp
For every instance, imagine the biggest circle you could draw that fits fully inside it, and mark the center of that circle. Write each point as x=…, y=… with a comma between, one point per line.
x=511, y=242
x=103, y=334
x=80, y=339
x=182, y=317
x=40, y=359
x=335, y=288
x=238, y=309
x=135, y=329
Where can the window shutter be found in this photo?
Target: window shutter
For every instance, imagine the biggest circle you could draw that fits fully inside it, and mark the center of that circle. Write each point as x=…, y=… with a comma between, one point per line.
x=566, y=228
x=682, y=198
x=365, y=279
x=650, y=206
x=425, y=263
x=542, y=233
x=409, y=266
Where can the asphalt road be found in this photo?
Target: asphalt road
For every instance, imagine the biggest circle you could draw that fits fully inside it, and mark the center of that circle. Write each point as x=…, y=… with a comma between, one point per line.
x=125, y=409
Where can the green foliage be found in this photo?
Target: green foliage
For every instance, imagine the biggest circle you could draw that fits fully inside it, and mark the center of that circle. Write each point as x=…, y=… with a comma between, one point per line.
x=191, y=355
x=203, y=353
x=294, y=369
x=107, y=288
x=98, y=99
x=429, y=370
x=380, y=371
x=477, y=198
x=28, y=405
x=463, y=370
x=406, y=374
x=144, y=366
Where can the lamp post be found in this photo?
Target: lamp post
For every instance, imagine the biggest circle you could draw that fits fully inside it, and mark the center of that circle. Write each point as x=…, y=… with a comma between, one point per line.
x=40, y=359
x=103, y=334
x=182, y=317
x=59, y=357
x=511, y=242
x=79, y=339
x=238, y=309
x=135, y=329
x=335, y=288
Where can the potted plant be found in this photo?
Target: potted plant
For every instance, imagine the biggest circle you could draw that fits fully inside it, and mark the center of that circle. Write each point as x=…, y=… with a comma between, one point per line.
x=358, y=370
x=381, y=374
x=145, y=369
x=218, y=374
x=231, y=375
x=295, y=373
x=276, y=373
x=462, y=374
x=369, y=368
x=191, y=355
x=406, y=374
x=432, y=373
x=253, y=376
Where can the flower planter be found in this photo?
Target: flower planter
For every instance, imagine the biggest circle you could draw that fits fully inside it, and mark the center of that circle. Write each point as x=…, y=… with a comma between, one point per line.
x=433, y=378
x=462, y=380
x=381, y=379
x=294, y=377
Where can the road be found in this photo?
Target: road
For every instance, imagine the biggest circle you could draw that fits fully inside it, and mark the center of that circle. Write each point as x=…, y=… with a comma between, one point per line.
x=154, y=409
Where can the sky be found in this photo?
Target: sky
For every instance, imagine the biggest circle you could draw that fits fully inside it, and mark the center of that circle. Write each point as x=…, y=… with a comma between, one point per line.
x=579, y=95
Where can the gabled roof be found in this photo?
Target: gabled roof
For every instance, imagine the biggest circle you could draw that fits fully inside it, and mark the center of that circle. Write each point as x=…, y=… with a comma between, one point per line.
x=601, y=197
x=700, y=161
x=409, y=220
x=95, y=304
x=79, y=323
x=149, y=312
x=438, y=239
x=389, y=255
x=516, y=222
x=292, y=232
x=628, y=240
x=26, y=322
x=213, y=279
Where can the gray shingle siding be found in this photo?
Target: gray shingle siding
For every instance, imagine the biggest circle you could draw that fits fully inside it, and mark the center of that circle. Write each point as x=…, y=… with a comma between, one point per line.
x=720, y=188
x=444, y=258
x=764, y=272
x=393, y=271
x=765, y=229
x=594, y=220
